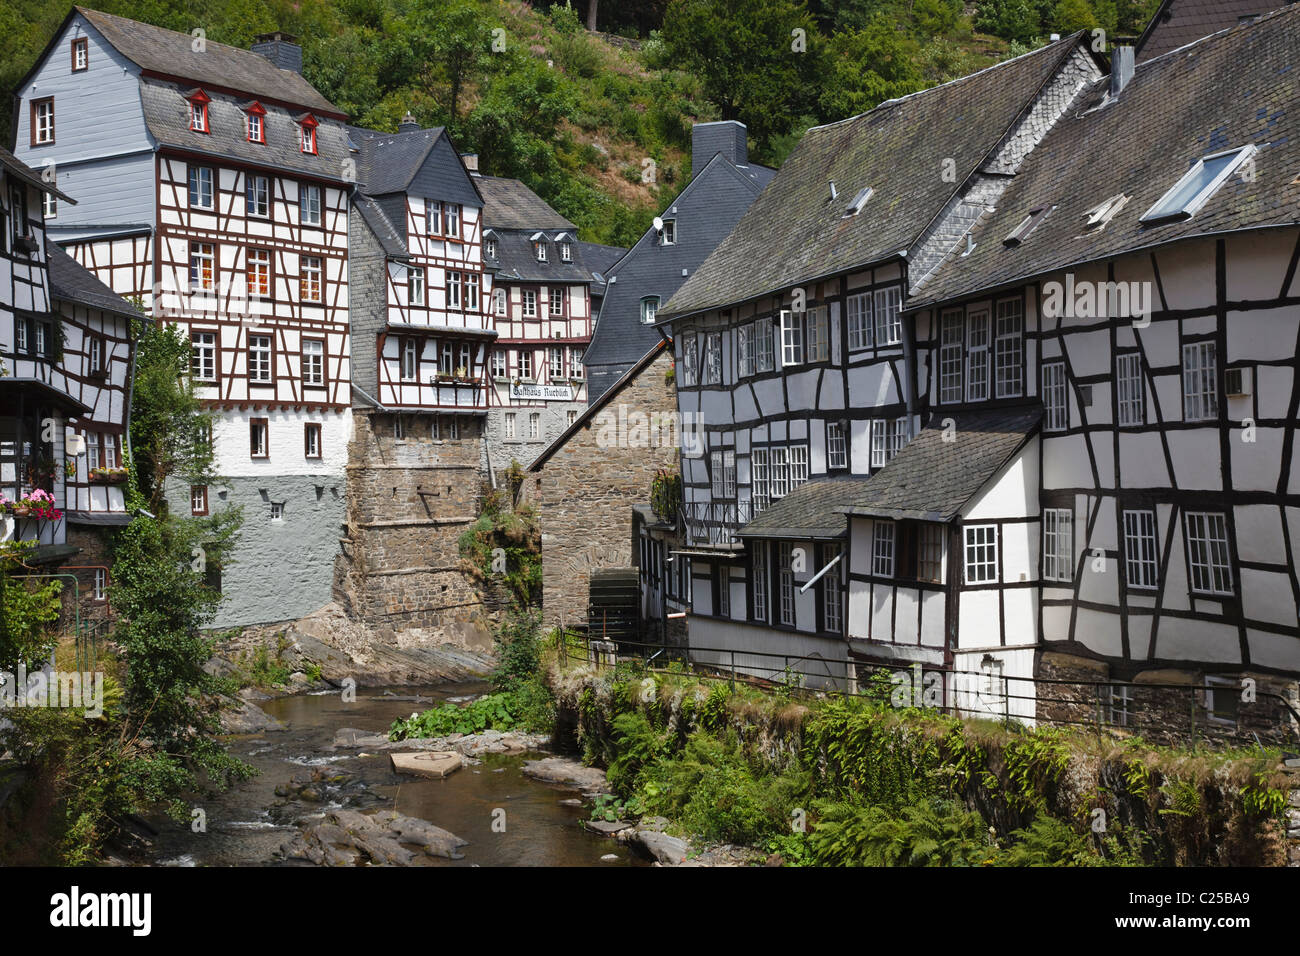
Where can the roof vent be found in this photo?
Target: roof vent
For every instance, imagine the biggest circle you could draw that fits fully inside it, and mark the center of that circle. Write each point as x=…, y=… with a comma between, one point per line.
x=859, y=201
x=408, y=124
x=834, y=192
x=1121, y=68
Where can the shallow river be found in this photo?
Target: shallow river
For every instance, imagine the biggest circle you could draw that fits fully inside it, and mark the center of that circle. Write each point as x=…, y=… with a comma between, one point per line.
x=246, y=824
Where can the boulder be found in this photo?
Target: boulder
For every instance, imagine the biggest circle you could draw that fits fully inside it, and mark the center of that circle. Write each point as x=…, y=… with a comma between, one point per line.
x=566, y=773
x=434, y=764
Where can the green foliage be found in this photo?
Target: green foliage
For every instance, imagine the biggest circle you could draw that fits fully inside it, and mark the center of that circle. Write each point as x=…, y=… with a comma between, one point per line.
x=610, y=808
x=29, y=613
x=262, y=669
x=1034, y=766
x=930, y=833
x=493, y=712
x=1261, y=800
x=1049, y=842
x=666, y=494
x=639, y=745
x=505, y=535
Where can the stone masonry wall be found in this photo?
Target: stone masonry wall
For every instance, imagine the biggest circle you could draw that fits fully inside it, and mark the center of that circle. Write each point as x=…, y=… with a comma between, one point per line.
x=585, y=492
x=408, y=502
x=502, y=451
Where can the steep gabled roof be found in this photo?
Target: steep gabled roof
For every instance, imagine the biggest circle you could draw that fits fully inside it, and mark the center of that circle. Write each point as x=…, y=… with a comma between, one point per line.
x=171, y=54
x=795, y=233
x=20, y=170
x=1180, y=22
x=1229, y=90
x=390, y=239
x=509, y=204
x=940, y=470
x=72, y=282
x=389, y=163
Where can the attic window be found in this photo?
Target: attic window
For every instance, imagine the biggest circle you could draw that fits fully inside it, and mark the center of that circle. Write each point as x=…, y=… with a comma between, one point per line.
x=566, y=252
x=309, y=124
x=1198, y=184
x=669, y=236
x=1027, y=225
x=80, y=54
x=490, y=248
x=540, y=248
x=199, y=112
x=1099, y=215
x=859, y=201
x=256, y=123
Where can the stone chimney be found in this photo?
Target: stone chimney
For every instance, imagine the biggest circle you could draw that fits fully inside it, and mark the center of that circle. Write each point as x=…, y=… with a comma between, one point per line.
x=408, y=124
x=282, y=49
x=471, y=162
x=1121, y=68
x=726, y=137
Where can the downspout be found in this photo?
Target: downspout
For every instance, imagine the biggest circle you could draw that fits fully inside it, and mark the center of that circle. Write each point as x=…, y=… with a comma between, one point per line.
x=909, y=359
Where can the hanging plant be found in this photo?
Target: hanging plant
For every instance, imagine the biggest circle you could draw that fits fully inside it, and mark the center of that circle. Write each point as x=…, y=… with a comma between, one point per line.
x=666, y=494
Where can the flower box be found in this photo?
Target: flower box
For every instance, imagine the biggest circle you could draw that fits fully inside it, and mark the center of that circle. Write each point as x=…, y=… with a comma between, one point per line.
x=107, y=476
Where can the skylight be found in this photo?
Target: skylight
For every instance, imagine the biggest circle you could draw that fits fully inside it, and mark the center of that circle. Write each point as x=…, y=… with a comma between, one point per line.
x=1099, y=215
x=859, y=201
x=1196, y=187
x=1027, y=225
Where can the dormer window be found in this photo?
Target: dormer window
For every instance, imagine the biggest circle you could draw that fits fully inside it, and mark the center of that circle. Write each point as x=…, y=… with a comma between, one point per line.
x=80, y=54
x=566, y=252
x=539, y=247
x=308, y=138
x=1027, y=225
x=256, y=123
x=859, y=201
x=1099, y=215
x=669, y=235
x=1196, y=187
x=199, y=112
x=490, y=248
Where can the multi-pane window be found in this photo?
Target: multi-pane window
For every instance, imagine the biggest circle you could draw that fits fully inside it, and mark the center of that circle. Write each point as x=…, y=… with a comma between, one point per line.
x=451, y=218
x=791, y=339
x=256, y=131
x=882, y=549
x=453, y=289
x=499, y=300
x=1055, y=401
x=1142, y=567
x=535, y=425
x=309, y=279
x=576, y=354
x=760, y=580
x=745, y=350
x=566, y=252
x=951, y=346
x=199, y=115
x=540, y=248
x=399, y=427
x=510, y=424
x=198, y=500
x=898, y=436
x=798, y=465
x=689, y=362
x=1200, y=388
x=499, y=363
x=433, y=217
x=257, y=196
x=415, y=285
x=929, y=552
x=1128, y=389
x=759, y=490
x=96, y=354
x=22, y=336
x=724, y=590
x=471, y=291
x=49, y=205
x=259, y=358
x=489, y=248
x=764, y=348
x=669, y=235
x=819, y=337
x=310, y=210
x=858, y=308
x=258, y=434
x=785, y=574
x=1058, y=544
x=977, y=357
x=311, y=440
x=525, y=364
x=837, y=453
x=528, y=303
x=203, y=356
x=43, y=121
x=463, y=369
x=723, y=474
x=308, y=138
x=555, y=361
x=1009, y=349
x=879, y=444
x=889, y=323
x=410, y=357
x=1207, y=551
x=259, y=273
x=80, y=53
x=778, y=473
x=832, y=592
x=447, y=362
x=713, y=358
x=203, y=259
x=313, y=362
x=981, y=554
x=649, y=309
x=200, y=187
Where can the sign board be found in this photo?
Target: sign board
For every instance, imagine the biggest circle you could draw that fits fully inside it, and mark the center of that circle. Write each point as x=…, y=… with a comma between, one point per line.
x=544, y=393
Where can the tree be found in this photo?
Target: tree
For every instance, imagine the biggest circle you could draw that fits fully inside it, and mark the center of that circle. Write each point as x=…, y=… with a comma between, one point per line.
x=865, y=68
x=455, y=37
x=758, y=59
x=591, y=15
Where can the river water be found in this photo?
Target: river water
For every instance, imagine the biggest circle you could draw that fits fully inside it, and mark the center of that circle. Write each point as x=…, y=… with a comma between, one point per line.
x=246, y=824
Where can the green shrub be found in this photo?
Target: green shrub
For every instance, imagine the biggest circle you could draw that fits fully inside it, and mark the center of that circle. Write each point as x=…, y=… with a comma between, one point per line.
x=494, y=712
x=931, y=833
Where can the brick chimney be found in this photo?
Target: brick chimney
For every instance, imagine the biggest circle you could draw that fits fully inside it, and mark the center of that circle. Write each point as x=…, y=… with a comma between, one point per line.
x=282, y=49
x=471, y=162
x=726, y=137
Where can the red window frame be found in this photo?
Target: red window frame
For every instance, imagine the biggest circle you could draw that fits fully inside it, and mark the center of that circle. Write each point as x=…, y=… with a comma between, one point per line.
x=201, y=100
x=307, y=135
x=196, y=490
x=255, y=109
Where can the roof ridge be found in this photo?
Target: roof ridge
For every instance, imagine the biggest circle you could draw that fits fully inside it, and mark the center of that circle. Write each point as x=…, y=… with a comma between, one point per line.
x=1292, y=7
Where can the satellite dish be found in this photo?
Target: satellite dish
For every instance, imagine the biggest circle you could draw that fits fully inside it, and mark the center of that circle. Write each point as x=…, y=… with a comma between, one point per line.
x=658, y=224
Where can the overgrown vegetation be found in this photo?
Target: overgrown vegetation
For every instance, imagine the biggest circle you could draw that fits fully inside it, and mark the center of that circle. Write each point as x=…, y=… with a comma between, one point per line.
x=504, y=546
x=494, y=712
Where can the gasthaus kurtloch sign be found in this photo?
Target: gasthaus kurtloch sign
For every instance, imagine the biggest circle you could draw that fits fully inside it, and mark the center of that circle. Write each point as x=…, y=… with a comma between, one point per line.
x=544, y=393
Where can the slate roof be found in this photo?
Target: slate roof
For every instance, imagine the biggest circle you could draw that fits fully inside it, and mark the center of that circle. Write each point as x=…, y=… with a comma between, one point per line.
x=931, y=478
x=387, y=162
x=390, y=239
x=72, y=282
x=1180, y=22
x=169, y=53
x=509, y=204
x=17, y=168
x=1225, y=91
x=516, y=260
x=809, y=512
x=166, y=113
x=794, y=232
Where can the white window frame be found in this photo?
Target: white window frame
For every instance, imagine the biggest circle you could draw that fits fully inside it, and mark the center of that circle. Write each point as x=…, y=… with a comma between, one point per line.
x=1141, y=550
x=760, y=491
x=313, y=362
x=203, y=365
x=451, y=220
x=260, y=357
x=764, y=346
x=818, y=335
x=310, y=280
x=981, y=553
x=858, y=310
x=883, y=537
x=1056, y=397
x=200, y=187
x=886, y=304
x=791, y=339
x=310, y=208
x=798, y=463
x=1058, y=544
x=785, y=580
x=555, y=362
x=499, y=364
x=745, y=350
x=759, y=572
x=415, y=286
x=528, y=303
x=525, y=363
x=1130, y=397
x=410, y=359
x=778, y=472
x=1009, y=349
x=510, y=424
x=837, y=449
x=832, y=591
x=879, y=443
x=257, y=196
x=713, y=358
x=44, y=119
x=1209, y=564
x=555, y=298
x=952, y=336
x=1200, y=382
x=690, y=369
x=978, y=370
x=535, y=425
x=649, y=309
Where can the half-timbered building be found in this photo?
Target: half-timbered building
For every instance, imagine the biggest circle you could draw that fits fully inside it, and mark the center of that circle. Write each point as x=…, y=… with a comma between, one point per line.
x=214, y=183
x=65, y=360
x=545, y=285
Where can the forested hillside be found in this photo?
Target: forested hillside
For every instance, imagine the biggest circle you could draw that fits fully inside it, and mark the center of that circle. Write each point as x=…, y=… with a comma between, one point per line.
x=576, y=114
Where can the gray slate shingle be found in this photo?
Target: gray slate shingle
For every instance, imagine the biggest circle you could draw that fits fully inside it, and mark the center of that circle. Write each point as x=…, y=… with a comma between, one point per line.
x=71, y=282
x=1180, y=22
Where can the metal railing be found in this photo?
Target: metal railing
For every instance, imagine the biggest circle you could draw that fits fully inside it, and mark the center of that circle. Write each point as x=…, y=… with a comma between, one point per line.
x=1164, y=713
x=715, y=522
